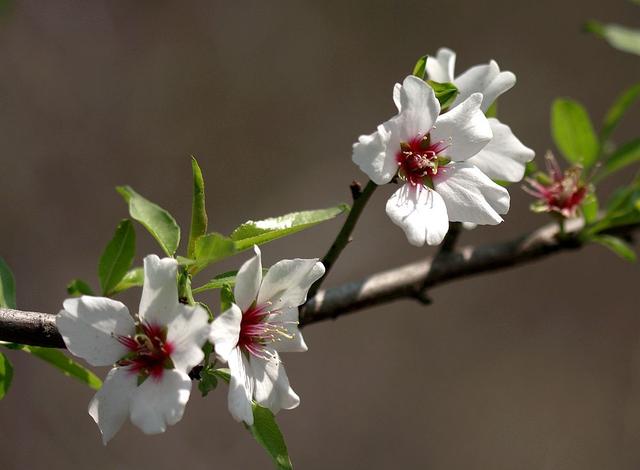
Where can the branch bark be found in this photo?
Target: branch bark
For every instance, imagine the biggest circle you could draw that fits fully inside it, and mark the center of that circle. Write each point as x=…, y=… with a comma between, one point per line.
x=408, y=281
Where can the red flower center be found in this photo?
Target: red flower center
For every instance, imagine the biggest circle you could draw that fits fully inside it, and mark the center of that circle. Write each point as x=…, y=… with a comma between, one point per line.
x=419, y=159
x=149, y=351
x=260, y=326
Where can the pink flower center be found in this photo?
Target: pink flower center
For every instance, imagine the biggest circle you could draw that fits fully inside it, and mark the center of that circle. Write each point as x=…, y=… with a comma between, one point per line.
x=563, y=193
x=149, y=351
x=259, y=327
x=418, y=159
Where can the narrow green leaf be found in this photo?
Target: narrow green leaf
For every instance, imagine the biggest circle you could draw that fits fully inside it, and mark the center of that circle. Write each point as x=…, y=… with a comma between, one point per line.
x=617, y=110
x=226, y=298
x=160, y=224
x=78, y=287
x=117, y=257
x=617, y=245
x=218, y=282
x=619, y=37
x=199, y=218
x=445, y=92
x=492, y=112
x=60, y=361
x=133, y=278
x=419, y=69
x=266, y=431
x=7, y=286
x=573, y=132
x=6, y=375
x=223, y=373
x=211, y=248
x=262, y=231
x=590, y=208
x=626, y=155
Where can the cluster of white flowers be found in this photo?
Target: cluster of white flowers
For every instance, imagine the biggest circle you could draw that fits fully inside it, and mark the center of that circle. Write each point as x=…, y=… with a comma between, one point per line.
x=153, y=353
x=445, y=160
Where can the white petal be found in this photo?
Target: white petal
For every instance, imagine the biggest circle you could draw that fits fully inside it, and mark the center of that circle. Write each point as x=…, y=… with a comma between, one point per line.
x=109, y=407
x=272, y=389
x=287, y=282
x=370, y=154
x=225, y=331
x=420, y=212
x=464, y=129
x=440, y=68
x=486, y=79
x=504, y=157
x=290, y=317
x=90, y=327
x=157, y=404
x=240, y=388
x=248, y=281
x=396, y=96
x=160, y=290
x=187, y=332
x=420, y=108
x=470, y=195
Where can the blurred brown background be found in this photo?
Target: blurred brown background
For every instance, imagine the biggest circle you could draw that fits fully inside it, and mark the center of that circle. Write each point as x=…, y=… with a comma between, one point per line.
x=533, y=368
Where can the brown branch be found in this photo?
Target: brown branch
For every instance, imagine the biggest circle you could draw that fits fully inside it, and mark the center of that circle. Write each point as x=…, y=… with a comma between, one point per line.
x=409, y=281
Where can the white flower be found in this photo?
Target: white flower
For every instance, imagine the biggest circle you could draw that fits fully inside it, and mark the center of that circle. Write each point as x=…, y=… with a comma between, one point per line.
x=262, y=322
x=149, y=381
x=504, y=158
x=430, y=152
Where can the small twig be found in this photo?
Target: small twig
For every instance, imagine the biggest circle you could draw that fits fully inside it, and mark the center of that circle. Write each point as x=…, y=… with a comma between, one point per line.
x=360, y=199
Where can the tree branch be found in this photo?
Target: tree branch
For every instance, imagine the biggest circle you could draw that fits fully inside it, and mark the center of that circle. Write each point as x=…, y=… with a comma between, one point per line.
x=408, y=281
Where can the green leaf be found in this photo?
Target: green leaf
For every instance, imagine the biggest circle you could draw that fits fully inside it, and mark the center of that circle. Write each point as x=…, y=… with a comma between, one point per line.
x=419, y=69
x=199, y=218
x=117, y=257
x=619, y=37
x=590, y=208
x=226, y=297
x=617, y=245
x=262, y=231
x=224, y=374
x=7, y=286
x=60, y=361
x=211, y=248
x=154, y=218
x=573, y=132
x=6, y=375
x=492, y=112
x=266, y=431
x=208, y=380
x=133, y=278
x=626, y=155
x=218, y=282
x=78, y=287
x=615, y=113
x=445, y=92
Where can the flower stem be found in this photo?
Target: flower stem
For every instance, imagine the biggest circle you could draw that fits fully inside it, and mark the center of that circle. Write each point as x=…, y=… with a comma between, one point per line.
x=360, y=199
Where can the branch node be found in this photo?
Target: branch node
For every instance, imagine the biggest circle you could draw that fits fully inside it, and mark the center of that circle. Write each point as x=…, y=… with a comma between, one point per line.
x=356, y=189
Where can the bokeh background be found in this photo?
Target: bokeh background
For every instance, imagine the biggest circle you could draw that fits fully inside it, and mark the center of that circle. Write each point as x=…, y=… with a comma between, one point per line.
x=532, y=368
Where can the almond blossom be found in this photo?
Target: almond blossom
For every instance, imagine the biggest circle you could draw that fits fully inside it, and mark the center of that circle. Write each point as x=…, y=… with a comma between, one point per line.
x=151, y=356
x=261, y=323
x=558, y=191
x=429, y=154
x=504, y=157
